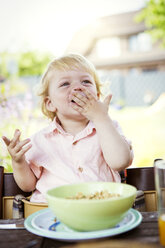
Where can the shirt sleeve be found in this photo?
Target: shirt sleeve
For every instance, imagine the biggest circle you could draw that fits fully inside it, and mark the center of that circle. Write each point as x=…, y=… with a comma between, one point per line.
x=34, y=156
x=116, y=176
x=119, y=129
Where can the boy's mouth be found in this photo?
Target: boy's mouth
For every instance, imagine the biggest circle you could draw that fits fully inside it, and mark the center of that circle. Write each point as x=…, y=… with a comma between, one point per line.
x=81, y=93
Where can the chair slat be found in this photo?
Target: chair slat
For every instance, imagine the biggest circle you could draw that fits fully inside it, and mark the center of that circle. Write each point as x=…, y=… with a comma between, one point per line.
x=1, y=189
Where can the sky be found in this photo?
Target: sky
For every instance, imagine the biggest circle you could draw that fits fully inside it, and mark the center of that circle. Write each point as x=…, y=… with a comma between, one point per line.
x=49, y=25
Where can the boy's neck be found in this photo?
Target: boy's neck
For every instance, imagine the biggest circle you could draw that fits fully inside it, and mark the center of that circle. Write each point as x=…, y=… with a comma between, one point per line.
x=73, y=126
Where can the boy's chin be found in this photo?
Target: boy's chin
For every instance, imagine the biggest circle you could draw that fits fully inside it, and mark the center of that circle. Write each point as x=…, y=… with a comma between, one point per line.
x=76, y=115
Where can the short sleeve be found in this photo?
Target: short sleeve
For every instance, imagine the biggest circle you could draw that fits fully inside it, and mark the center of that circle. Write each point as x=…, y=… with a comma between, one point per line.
x=33, y=157
x=116, y=176
x=119, y=129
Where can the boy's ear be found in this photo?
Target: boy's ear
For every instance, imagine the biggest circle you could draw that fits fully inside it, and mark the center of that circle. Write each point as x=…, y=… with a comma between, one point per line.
x=49, y=105
x=98, y=95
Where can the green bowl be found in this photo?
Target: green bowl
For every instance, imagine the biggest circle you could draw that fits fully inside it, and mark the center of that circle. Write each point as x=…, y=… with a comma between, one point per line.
x=90, y=215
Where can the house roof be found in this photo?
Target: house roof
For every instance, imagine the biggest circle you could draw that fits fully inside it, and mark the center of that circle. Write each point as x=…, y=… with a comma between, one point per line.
x=116, y=25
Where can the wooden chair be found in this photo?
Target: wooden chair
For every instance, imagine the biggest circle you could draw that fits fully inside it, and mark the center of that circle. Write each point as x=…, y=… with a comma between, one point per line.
x=143, y=179
x=8, y=189
x=1, y=189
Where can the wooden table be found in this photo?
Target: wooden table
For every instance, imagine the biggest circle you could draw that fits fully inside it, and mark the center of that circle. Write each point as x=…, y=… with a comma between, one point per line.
x=144, y=236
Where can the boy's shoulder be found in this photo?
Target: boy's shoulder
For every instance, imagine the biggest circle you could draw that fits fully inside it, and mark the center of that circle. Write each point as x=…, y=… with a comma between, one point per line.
x=43, y=131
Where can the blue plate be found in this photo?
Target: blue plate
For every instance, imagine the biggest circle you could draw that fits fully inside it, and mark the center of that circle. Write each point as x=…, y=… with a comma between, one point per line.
x=44, y=223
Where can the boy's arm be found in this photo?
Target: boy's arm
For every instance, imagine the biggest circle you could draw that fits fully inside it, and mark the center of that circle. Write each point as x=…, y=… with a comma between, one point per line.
x=116, y=150
x=24, y=176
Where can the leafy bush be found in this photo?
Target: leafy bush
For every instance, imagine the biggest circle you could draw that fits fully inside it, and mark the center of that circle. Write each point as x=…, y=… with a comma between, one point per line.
x=32, y=63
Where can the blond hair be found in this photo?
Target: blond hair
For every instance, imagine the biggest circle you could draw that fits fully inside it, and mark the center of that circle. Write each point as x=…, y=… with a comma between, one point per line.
x=64, y=63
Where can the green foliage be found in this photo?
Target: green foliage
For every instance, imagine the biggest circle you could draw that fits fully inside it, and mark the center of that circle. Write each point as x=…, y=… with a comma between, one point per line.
x=32, y=63
x=153, y=16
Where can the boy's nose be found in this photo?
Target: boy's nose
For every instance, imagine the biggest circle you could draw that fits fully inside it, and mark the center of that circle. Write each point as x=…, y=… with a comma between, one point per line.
x=80, y=89
x=77, y=86
x=77, y=89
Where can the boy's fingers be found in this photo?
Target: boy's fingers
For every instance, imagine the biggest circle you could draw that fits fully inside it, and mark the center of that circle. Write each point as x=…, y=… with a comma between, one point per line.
x=24, y=150
x=17, y=133
x=107, y=100
x=14, y=141
x=21, y=144
x=88, y=94
x=6, y=140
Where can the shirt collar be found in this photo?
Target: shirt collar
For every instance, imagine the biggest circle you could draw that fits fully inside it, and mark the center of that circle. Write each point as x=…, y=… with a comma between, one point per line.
x=54, y=126
x=88, y=130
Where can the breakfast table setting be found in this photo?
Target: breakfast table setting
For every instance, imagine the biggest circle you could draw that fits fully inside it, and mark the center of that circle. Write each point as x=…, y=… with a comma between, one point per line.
x=86, y=215
x=144, y=235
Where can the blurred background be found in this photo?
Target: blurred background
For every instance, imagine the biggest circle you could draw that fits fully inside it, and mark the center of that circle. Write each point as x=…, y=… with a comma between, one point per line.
x=124, y=39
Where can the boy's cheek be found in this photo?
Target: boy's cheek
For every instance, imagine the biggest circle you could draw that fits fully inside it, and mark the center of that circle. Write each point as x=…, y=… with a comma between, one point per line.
x=70, y=97
x=93, y=92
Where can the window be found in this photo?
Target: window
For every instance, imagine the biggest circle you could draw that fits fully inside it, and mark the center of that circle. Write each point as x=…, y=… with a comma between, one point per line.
x=140, y=42
x=108, y=47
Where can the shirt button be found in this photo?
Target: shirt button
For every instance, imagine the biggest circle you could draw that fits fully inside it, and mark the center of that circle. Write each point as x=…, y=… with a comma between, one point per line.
x=80, y=169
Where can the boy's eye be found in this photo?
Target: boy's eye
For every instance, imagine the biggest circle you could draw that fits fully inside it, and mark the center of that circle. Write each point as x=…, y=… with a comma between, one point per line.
x=64, y=84
x=87, y=82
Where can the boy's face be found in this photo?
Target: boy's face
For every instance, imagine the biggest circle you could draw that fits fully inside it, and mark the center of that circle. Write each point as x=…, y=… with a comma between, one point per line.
x=61, y=87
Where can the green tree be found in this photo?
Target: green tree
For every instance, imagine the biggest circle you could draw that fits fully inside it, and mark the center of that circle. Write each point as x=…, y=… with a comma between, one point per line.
x=153, y=15
x=32, y=63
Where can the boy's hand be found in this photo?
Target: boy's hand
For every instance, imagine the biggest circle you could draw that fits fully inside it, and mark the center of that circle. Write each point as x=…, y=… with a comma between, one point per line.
x=17, y=148
x=89, y=106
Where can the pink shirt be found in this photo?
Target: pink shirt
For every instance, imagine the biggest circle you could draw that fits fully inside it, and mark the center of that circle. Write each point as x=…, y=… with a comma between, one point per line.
x=58, y=158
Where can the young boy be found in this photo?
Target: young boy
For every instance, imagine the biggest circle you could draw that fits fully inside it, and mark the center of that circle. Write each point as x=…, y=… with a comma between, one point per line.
x=82, y=143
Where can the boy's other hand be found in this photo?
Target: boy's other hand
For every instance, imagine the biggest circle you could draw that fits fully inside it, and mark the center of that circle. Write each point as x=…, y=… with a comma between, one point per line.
x=17, y=148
